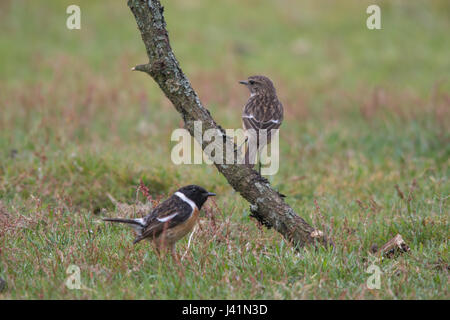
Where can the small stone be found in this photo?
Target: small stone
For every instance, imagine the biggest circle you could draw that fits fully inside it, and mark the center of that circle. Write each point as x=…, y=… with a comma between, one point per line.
x=316, y=234
x=374, y=248
x=13, y=153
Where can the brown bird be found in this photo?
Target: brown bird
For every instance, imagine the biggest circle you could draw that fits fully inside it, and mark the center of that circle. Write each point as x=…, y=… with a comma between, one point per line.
x=263, y=111
x=171, y=220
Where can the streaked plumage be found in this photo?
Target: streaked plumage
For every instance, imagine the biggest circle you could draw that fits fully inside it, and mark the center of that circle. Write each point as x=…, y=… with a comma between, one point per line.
x=262, y=111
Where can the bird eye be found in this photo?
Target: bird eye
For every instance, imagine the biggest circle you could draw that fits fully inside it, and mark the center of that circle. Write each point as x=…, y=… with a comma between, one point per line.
x=251, y=82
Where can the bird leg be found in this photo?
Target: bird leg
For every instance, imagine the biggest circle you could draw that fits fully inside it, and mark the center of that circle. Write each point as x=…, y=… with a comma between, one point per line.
x=174, y=254
x=259, y=160
x=245, y=141
x=240, y=148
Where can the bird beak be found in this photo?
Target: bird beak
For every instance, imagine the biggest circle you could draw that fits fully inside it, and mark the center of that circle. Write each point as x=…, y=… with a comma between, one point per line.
x=210, y=194
x=243, y=82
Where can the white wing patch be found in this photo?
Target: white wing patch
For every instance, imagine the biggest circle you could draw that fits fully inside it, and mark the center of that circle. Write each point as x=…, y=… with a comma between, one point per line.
x=140, y=220
x=253, y=117
x=167, y=218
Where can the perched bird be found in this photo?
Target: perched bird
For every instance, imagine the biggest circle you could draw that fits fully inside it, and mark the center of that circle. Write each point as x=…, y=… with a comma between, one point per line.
x=262, y=111
x=171, y=220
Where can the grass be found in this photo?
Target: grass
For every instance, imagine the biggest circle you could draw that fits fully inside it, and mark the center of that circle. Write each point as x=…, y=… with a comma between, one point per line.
x=365, y=111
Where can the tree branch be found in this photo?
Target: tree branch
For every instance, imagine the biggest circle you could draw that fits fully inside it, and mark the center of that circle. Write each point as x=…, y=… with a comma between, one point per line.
x=266, y=204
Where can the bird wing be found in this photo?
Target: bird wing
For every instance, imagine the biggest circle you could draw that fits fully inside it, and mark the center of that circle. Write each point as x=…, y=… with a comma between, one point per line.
x=252, y=123
x=260, y=113
x=166, y=215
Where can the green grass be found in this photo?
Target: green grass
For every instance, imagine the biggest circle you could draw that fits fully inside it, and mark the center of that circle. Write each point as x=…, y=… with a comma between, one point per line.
x=365, y=111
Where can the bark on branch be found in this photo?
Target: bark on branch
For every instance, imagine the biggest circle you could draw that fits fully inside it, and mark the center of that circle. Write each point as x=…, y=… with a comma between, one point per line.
x=266, y=204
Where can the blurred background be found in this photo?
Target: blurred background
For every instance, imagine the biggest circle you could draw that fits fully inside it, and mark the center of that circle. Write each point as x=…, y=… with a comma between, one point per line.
x=365, y=110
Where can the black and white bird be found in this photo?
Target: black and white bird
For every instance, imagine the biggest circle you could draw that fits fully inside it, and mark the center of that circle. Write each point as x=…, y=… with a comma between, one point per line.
x=263, y=112
x=171, y=220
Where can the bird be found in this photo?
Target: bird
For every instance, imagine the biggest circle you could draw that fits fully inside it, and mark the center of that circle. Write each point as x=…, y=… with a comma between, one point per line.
x=171, y=220
x=263, y=111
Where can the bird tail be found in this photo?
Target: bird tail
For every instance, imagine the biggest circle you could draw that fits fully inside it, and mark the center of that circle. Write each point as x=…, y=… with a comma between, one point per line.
x=129, y=221
x=136, y=224
x=247, y=157
x=250, y=153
